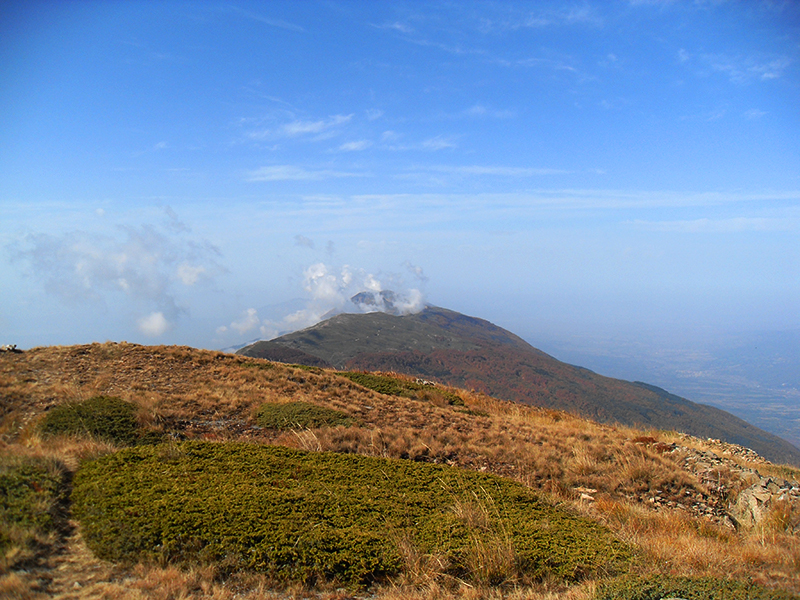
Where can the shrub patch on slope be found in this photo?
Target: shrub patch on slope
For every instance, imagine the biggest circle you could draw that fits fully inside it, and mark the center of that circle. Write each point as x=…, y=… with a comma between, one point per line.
x=705, y=588
x=382, y=384
x=305, y=516
x=103, y=417
x=394, y=386
x=300, y=415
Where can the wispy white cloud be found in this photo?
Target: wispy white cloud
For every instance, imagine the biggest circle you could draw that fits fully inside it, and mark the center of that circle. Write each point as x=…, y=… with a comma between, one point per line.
x=515, y=18
x=295, y=173
x=753, y=113
x=546, y=63
x=157, y=147
x=303, y=127
x=480, y=111
x=279, y=23
x=389, y=141
x=651, y=2
x=575, y=15
x=731, y=225
x=320, y=201
x=396, y=26
x=462, y=36
x=450, y=48
x=355, y=146
x=610, y=61
x=748, y=69
x=443, y=175
x=317, y=129
x=715, y=114
x=496, y=170
x=570, y=199
x=738, y=69
x=438, y=143
x=390, y=136
x=475, y=111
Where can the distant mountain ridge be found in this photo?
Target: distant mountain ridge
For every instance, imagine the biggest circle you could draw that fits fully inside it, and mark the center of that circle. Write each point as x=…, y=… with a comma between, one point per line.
x=473, y=353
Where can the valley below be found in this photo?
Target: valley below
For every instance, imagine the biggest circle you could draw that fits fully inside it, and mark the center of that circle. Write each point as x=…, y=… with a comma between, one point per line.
x=755, y=376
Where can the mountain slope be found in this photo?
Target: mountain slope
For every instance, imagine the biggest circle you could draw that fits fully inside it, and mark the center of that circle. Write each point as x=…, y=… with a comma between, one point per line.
x=672, y=497
x=475, y=354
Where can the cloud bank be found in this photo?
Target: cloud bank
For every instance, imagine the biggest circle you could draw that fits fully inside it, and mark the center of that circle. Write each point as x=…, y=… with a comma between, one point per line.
x=145, y=265
x=328, y=291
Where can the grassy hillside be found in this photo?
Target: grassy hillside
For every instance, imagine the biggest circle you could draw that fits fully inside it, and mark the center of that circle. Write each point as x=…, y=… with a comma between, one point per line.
x=661, y=498
x=474, y=354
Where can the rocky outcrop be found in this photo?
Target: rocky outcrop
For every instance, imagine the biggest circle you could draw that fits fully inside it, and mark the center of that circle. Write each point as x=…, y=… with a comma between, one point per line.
x=736, y=495
x=756, y=503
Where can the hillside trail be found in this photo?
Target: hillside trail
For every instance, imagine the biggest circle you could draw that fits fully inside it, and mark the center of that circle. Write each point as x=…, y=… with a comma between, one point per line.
x=71, y=572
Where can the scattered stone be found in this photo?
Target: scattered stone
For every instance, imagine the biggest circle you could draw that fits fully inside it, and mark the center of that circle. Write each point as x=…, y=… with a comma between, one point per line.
x=745, y=510
x=754, y=504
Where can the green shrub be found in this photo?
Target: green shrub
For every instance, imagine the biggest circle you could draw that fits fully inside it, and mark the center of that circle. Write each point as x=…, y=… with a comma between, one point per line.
x=383, y=384
x=31, y=498
x=309, y=368
x=451, y=398
x=472, y=412
x=103, y=417
x=261, y=366
x=706, y=588
x=393, y=386
x=300, y=415
x=344, y=518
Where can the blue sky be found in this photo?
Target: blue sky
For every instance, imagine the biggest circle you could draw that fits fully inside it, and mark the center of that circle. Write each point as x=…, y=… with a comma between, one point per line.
x=210, y=173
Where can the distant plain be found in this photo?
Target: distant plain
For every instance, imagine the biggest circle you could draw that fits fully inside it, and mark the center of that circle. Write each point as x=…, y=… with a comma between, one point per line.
x=754, y=375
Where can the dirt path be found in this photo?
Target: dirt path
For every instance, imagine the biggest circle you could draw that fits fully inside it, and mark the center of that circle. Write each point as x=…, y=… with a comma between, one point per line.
x=70, y=572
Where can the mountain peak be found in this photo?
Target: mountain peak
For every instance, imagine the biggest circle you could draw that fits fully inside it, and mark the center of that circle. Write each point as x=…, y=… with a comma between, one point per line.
x=383, y=301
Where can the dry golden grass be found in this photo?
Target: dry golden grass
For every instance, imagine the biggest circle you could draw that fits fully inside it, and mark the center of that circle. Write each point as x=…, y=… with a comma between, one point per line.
x=199, y=394
x=675, y=543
